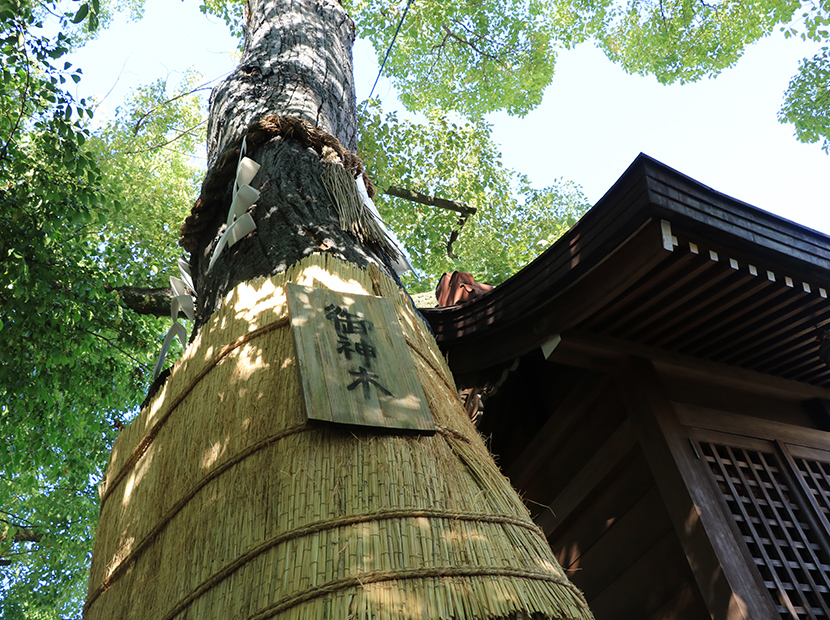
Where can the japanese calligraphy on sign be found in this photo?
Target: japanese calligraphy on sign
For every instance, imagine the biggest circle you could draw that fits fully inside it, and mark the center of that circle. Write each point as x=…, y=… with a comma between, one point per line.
x=354, y=363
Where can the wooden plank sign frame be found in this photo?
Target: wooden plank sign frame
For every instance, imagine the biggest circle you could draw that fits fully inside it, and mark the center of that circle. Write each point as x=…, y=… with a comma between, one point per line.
x=355, y=366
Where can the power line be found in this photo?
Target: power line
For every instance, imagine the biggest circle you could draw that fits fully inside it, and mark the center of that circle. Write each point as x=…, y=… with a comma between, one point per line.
x=389, y=49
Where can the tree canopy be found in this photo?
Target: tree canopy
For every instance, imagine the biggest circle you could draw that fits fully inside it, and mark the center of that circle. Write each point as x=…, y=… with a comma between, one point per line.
x=83, y=213
x=513, y=222
x=807, y=102
x=89, y=213
x=478, y=57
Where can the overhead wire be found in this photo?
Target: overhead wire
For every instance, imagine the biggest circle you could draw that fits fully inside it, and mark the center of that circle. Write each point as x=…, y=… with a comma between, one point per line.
x=389, y=50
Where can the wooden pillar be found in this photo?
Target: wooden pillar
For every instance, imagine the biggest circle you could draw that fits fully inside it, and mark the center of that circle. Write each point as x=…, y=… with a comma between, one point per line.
x=721, y=564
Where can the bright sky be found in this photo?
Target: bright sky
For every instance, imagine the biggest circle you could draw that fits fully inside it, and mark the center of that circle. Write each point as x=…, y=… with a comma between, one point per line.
x=593, y=122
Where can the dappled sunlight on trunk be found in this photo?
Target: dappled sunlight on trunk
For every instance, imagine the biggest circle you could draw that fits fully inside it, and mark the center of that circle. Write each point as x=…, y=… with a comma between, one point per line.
x=246, y=510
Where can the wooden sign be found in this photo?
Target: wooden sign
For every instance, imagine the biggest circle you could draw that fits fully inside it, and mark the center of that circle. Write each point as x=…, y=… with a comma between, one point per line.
x=355, y=366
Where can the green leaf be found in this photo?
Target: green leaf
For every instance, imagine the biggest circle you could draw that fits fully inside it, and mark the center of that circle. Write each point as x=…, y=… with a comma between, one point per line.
x=807, y=101
x=83, y=11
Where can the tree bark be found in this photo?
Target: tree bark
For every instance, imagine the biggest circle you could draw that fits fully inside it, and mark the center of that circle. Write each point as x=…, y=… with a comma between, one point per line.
x=294, y=216
x=148, y=301
x=25, y=534
x=296, y=62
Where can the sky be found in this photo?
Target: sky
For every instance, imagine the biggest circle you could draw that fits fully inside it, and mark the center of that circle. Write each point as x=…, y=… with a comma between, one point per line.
x=592, y=123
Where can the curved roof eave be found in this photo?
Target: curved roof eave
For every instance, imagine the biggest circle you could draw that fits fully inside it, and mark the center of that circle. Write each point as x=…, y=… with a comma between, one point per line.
x=647, y=192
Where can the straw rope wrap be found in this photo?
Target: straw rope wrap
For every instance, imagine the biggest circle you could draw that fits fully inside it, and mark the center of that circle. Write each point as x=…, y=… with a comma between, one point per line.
x=221, y=502
x=270, y=126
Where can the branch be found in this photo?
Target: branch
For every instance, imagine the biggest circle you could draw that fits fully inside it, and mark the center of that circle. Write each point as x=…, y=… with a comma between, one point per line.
x=438, y=48
x=451, y=205
x=163, y=144
x=26, y=535
x=142, y=118
x=454, y=235
x=23, y=97
x=473, y=32
x=461, y=39
x=13, y=520
x=148, y=301
x=200, y=87
x=22, y=533
x=432, y=201
x=112, y=344
x=4, y=557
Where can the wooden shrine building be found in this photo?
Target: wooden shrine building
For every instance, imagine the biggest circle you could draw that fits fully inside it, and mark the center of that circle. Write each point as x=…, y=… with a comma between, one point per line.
x=657, y=395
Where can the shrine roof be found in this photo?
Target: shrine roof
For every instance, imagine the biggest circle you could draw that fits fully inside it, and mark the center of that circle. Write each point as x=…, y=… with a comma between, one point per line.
x=667, y=263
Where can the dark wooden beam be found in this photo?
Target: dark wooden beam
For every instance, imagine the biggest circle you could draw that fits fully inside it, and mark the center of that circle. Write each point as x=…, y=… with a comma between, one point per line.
x=590, y=477
x=586, y=350
x=769, y=430
x=721, y=564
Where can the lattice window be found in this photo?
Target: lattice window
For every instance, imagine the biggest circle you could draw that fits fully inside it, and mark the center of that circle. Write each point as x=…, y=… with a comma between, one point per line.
x=790, y=553
x=816, y=476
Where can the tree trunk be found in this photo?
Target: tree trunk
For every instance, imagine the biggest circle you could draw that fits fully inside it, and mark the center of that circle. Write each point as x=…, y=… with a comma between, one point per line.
x=296, y=62
x=222, y=500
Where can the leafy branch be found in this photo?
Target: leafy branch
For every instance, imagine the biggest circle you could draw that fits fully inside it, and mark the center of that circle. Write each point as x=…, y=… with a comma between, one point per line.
x=201, y=87
x=23, y=95
x=449, y=34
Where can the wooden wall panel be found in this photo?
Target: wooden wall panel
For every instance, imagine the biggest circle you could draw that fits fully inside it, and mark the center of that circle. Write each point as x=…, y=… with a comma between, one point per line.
x=646, y=585
x=686, y=604
x=627, y=538
x=602, y=511
x=571, y=534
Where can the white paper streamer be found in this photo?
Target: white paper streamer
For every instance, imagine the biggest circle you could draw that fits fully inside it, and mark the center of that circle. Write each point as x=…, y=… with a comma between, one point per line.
x=403, y=263
x=177, y=285
x=185, y=304
x=181, y=301
x=246, y=170
x=176, y=330
x=233, y=233
x=239, y=222
x=184, y=271
x=244, y=225
x=244, y=198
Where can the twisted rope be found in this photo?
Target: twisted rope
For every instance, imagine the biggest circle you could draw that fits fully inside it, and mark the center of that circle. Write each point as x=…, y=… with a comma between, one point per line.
x=210, y=201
